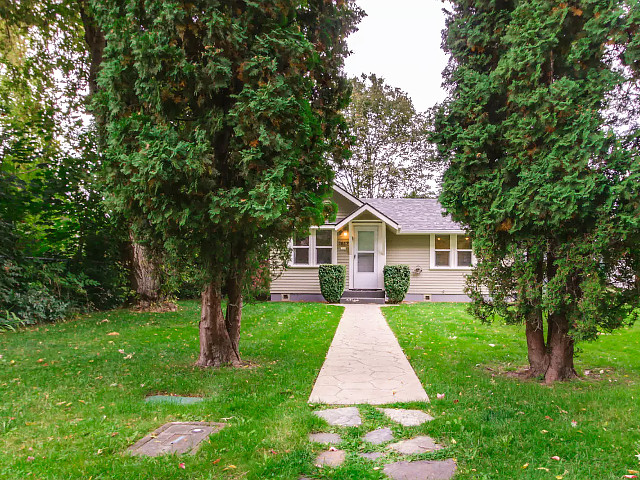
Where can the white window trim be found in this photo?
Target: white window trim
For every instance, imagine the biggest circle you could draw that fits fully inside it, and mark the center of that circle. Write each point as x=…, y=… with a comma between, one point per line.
x=313, y=261
x=453, y=252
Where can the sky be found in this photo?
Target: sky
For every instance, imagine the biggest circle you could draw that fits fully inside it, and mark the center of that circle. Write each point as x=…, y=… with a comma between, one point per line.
x=400, y=41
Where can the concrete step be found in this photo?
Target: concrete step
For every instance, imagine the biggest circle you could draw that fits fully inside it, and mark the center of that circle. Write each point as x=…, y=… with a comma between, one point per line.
x=351, y=300
x=363, y=294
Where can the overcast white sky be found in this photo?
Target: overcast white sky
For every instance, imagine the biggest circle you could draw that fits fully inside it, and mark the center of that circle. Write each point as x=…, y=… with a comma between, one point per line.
x=400, y=41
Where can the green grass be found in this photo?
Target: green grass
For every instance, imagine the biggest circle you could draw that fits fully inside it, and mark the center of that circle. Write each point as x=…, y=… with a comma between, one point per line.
x=499, y=423
x=74, y=403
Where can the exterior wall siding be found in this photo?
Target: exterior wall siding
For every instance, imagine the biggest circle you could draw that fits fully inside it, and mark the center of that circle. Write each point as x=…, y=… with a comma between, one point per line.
x=345, y=207
x=304, y=279
x=413, y=250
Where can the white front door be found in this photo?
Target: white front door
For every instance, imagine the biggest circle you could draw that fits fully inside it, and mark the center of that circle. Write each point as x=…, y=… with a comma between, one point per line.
x=365, y=258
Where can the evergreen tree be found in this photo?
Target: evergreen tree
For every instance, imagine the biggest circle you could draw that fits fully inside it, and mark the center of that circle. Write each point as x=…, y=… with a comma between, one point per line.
x=218, y=119
x=541, y=173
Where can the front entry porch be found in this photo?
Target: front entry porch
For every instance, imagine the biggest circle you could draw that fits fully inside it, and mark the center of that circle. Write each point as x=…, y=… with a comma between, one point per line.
x=370, y=296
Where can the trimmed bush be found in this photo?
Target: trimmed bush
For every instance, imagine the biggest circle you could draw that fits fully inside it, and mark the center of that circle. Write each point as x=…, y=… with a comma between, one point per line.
x=332, y=280
x=396, y=282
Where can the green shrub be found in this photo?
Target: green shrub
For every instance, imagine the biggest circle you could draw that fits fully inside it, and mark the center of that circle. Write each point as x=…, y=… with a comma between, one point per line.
x=332, y=280
x=396, y=282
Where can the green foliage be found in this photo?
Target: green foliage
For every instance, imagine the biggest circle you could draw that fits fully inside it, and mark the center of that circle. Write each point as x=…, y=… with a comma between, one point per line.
x=332, y=281
x=544, y=171
x=50, y=205
x=391, y=154
x=397, y=279
x=218, y=119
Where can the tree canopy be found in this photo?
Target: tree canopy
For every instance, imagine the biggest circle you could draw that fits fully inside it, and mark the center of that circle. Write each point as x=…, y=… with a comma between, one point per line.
x=218, y=119
x=391, y=155
x=544, y=171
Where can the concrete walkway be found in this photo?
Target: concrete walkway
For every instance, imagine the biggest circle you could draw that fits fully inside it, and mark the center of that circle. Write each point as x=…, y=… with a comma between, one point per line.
x=365, y=364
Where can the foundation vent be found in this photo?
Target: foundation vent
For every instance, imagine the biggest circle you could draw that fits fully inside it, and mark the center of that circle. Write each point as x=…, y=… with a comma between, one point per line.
x=285, y=297
x=427, y=298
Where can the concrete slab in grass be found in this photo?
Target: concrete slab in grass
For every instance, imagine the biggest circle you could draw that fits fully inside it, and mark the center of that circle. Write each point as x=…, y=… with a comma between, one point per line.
x=175, y=437
x=331, y=458
x=415, y=445
x=173, y=399
x=421, y=470
x=407, y=418
x=379, y=436
x=372, y=455
x=343, y=417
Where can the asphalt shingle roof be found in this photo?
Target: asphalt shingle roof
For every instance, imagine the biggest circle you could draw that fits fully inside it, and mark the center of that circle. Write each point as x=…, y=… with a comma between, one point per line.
x=414, y=214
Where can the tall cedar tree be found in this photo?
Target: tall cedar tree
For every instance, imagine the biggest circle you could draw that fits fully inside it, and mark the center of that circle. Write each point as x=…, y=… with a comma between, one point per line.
x=541, y=171
x=219, y=116
x=391, y=154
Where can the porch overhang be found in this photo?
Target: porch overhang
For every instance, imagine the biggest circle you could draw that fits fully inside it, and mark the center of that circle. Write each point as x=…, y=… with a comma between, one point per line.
x=365, y=208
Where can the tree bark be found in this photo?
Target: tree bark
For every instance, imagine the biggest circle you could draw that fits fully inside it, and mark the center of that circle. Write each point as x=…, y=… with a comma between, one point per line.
x=145, y=276
x=234, y=311
x=216, y=347
x=536, y=348
x=561, y=350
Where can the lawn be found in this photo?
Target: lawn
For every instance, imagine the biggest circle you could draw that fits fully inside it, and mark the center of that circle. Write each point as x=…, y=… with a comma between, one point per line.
x=74, y=402
x=499, y=427
x=73, y=398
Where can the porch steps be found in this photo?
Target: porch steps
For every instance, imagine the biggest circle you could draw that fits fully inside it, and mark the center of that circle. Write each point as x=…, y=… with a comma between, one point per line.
x=363, y=296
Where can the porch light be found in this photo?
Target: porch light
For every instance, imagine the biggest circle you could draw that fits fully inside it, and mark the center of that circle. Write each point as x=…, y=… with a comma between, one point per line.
x=345, y=234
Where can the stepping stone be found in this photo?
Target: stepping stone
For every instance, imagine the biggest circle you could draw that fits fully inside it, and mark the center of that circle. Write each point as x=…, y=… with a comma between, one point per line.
x=421, y=470
x=379, y=436
x=173, y=399
x=372, y=455
x=175, y=437
x=331, y=458
x=329, y=438
x=344, y=417
x=407, y=418
x=416, y=445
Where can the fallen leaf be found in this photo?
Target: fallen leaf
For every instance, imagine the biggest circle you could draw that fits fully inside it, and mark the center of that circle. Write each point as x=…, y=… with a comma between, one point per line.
x=182, y=466
x=556, y=458
x=113, y=334
x=543, y=468
x=230, y=467
x=30, y=459
x=574, y=424
x=629, y=476
x=217, y=460
x=440, y=396
x=525, y=465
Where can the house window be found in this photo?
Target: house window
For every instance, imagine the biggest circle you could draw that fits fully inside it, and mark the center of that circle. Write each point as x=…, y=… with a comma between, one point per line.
x=301, y=250
x=451, y=251
x=324, y=246
x=315, y=249
x=463, y=251
x=443, y=251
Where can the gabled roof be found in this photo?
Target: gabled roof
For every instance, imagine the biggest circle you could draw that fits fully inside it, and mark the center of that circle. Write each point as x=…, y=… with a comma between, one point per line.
x=373, y=211
x=415, y=215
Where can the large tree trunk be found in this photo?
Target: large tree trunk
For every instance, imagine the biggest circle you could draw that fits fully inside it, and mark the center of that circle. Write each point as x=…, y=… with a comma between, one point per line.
x=536, y=348
x=561, y=349
x=216, y=346
x=145, y=276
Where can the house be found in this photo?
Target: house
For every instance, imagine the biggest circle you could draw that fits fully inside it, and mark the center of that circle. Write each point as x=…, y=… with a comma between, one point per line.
x=370, y=233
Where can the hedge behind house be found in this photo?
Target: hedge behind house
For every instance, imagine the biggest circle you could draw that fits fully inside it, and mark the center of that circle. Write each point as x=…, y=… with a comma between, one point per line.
x=332, y=281
x=396, y=282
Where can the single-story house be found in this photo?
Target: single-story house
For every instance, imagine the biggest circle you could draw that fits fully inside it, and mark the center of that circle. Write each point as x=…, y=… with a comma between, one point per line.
x=370, y=233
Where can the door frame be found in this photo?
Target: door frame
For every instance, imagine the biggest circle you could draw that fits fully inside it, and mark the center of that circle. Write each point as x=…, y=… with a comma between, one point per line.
x=381, y=247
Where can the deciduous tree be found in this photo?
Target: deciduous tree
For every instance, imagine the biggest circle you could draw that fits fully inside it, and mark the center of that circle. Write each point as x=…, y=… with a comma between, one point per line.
x=391, y=154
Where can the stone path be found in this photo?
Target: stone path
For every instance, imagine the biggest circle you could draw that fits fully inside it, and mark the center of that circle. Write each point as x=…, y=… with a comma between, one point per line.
x=365, y=364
